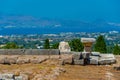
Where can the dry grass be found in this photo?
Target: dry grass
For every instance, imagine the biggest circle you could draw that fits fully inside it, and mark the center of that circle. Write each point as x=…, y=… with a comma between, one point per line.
x=73, y=72
x=90, y=72
x=30, y=69
x=78, y=72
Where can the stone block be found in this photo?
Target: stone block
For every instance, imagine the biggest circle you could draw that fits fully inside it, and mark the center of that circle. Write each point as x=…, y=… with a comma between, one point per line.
x=29, y=52
x=38, y=60
x=116, y=68
x=79, y=62
x=18, y=78
x=76, y=56
x=2, y=51
x=22, y=60
x=14, y=51
x=7, y=76
x=103, y=62
x=34, y=61
x=10, y=60
x=68, y=61
x=93, y=61
x=2, y=59
x=42, y=59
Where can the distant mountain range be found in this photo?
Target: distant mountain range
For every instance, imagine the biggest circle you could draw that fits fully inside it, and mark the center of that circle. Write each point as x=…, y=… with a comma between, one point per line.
x=18, y=24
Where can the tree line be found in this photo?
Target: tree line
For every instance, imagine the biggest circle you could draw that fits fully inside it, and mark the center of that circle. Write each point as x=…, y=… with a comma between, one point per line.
x=75, y=45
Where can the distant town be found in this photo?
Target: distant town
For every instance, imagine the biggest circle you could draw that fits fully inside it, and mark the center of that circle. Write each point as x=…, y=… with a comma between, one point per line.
x=36, y=41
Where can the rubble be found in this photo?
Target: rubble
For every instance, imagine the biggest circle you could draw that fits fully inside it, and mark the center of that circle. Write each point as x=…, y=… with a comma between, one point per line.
x=7, y=76
x=95, y=58
x=22, y=60
x=116, y=68
x=11, y=59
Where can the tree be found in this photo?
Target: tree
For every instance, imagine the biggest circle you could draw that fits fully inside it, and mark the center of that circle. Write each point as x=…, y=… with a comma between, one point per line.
x=46, y=44
x=116, y=50
x=100, y=45
x=110, y=48
x=11, y=45
x=76, y=45
x=55, y=46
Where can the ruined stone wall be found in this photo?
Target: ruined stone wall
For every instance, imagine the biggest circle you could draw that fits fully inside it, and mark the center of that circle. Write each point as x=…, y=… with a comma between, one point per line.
x=29, y=52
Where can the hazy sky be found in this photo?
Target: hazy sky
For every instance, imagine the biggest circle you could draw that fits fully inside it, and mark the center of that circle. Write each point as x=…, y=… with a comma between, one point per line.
x=86, y=10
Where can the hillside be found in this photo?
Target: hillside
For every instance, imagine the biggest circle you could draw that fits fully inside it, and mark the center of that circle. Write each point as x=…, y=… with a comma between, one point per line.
x=18, y=24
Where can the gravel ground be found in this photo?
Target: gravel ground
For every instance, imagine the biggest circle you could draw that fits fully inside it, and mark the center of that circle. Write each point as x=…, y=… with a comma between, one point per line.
x=91, y=72
x=51, y=69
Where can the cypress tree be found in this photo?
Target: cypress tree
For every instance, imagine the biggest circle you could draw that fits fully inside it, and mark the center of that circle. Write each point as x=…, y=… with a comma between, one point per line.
x=100, y=45
x=46, y=44
x=76, y=45
x=116, y=50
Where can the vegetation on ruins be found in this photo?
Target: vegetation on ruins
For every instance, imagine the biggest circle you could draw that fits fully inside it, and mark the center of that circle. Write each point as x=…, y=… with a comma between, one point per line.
x=76, y=45
x=46, y=44
x=116, y=50
x=100, y=45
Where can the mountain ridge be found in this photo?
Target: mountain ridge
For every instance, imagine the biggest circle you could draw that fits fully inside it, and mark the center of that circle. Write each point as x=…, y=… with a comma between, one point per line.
x=19, y=24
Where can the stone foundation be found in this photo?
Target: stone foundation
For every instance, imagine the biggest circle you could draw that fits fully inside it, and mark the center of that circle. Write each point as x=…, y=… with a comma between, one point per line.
x=29, y=52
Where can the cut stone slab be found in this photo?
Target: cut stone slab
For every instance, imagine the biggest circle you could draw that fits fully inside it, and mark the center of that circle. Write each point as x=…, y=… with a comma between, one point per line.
x=93, y=61
x=18, y=78
x=7, y=76
x=103, y=62
x=22, y=60
x=79, y=62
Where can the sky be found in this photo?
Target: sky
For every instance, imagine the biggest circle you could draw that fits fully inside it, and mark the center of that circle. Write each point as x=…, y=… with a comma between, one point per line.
x=84, y=10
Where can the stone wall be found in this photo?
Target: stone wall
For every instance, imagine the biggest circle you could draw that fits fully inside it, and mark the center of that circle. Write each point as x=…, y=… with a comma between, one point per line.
x=29, y=52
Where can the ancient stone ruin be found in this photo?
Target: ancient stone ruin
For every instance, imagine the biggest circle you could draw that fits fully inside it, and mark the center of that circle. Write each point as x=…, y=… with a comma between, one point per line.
x=64, y=47
x=89, y=57
x=87, y=42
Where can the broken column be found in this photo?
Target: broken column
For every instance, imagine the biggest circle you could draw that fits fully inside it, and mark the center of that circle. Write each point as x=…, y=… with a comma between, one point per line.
x=64, y=47
x=87, y=42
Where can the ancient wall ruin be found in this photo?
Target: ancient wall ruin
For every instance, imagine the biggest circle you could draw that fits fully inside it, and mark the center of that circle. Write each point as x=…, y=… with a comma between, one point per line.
x=29, y=52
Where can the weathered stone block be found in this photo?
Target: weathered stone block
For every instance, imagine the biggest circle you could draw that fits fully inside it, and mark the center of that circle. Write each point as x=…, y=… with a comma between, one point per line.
x=34, y=61
x=76, y=56
x=103, y=62
x=18, y=78
x=2, y=60
x=42, y=59
x=68, y=61
x=7, y=76
x=22, y=60
x=79, y=62
x=93, y=61
x=29, y=52
x=10, y=60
